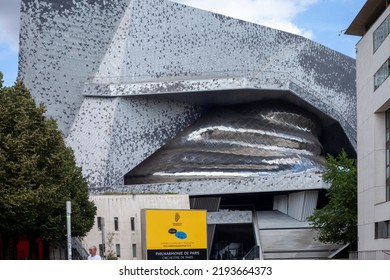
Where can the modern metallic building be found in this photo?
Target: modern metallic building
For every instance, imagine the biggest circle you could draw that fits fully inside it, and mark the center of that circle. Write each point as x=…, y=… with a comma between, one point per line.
x=154, y=96
x=372, y=23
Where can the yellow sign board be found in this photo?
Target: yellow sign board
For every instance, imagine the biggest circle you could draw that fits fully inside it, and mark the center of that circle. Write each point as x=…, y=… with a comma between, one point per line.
x=179, y=233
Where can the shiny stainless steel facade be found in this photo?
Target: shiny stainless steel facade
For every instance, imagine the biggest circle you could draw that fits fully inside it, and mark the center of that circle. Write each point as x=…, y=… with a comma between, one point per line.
x=240, y=141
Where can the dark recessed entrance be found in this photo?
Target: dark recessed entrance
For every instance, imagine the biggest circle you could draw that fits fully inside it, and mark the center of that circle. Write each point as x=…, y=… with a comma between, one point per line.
x=232, y=241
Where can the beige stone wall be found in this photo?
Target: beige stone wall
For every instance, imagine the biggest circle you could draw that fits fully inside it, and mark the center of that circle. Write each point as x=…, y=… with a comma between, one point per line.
x=124, y=207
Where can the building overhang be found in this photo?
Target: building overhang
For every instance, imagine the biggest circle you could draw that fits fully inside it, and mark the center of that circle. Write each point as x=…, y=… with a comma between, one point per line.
x=369, y=13
x=263, y=184
x=223, y=91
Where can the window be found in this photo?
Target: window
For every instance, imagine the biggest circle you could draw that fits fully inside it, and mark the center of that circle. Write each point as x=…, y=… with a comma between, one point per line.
x=382, y=230
x=388, y=155
x=132, y=223
x=116, y=223
x=134, y=247
x=118, y=250
x=380, y=34
x=99, y=223
x=381, y=75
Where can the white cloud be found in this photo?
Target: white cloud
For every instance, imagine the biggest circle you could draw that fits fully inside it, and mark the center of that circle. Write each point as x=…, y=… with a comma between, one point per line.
x=9, y=23
x=277, y=14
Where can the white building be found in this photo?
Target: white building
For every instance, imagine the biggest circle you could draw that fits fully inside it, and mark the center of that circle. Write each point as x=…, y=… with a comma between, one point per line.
x=373, y=128
x=120, y=216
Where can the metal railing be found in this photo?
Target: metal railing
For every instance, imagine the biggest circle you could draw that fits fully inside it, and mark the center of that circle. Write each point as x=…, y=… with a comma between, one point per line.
x=78, y=247
x=253, y=254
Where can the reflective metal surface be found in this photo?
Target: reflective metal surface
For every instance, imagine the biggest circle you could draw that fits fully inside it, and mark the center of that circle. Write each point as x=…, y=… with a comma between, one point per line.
x=237, y=141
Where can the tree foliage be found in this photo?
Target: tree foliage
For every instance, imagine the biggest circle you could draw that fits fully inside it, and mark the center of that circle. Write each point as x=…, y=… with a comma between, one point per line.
x=38, y=173
x=337, y=221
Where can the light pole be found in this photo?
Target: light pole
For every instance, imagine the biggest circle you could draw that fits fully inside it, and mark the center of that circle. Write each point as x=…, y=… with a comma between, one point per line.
x=68, y=228
x=103, y=239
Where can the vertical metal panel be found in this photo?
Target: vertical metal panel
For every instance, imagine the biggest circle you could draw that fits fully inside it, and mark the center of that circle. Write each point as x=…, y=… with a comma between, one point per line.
x=310, y=204
x=281, y=203
x=211, y=204
x=302, y=204
x=295, y=205
x=210, y=238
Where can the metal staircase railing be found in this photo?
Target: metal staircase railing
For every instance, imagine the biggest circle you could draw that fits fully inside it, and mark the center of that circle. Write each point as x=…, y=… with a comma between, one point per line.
x=253, y=254
x=77, y=246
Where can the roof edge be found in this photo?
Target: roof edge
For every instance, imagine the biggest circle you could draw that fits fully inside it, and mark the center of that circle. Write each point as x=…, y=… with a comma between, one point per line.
x=367, y=16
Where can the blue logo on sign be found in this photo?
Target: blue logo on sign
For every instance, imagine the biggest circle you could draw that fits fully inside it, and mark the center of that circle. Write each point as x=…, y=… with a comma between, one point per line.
x=181, y=235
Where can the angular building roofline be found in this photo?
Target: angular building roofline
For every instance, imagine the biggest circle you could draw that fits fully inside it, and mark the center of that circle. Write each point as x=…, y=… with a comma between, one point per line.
x=369, y=13
x=123, y=79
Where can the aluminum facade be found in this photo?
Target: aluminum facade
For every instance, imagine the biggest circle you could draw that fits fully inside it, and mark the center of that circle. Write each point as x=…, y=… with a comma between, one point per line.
x=122, y=78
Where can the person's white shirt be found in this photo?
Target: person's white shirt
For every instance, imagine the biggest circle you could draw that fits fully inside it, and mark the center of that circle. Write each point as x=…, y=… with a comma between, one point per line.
x=92, y=254
x=96, y=257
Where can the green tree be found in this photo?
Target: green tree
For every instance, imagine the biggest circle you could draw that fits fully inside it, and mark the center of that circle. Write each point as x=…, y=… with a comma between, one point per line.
x=38, y=174
x=337, y=221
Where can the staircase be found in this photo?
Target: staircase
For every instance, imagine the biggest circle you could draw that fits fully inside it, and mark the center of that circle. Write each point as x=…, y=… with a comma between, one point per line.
x=283, y=237
x=78, y=251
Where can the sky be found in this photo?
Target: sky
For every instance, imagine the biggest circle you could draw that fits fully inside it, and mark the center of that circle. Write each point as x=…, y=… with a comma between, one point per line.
x=322, y=21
